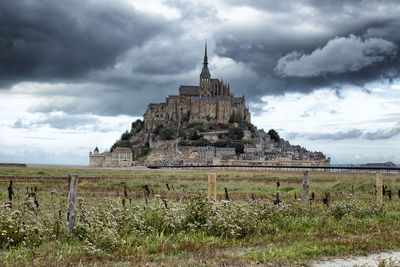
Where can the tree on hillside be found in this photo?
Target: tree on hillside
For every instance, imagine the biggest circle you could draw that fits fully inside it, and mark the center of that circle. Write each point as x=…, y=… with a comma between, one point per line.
x=158, y=129
x=120, y=143
x=145, y=149
x=137, y=126
x=235, y=117
x=202, y=142
x=166, y=133
x=236, y=133
x=274, y=135
x=239, y=148
x=195, y=136
x=125, y=135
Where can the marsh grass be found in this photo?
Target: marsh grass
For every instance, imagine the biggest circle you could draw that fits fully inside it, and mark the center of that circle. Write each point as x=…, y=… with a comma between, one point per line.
x=191, y=231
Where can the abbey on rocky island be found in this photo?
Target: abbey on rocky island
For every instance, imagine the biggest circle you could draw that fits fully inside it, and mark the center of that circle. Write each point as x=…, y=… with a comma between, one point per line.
x=204, y=125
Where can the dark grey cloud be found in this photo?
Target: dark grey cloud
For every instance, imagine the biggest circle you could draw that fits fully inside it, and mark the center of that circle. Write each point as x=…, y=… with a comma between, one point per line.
x=63, y=122
x=115, y=60
x=103, y=99
x=381, y=134
x=166, y=57
x=384, y=133
x=313, y=44
x=350, y=134
x=64, y=40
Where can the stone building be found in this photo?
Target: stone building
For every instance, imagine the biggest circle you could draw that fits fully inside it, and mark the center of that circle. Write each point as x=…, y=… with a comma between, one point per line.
x=119, y=157
x=225, y=152
x=210, y=101
x=206, y=154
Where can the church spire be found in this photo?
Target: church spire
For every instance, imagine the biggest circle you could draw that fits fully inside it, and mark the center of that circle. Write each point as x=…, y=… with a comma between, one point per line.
x=205, y=63
x=205, y=72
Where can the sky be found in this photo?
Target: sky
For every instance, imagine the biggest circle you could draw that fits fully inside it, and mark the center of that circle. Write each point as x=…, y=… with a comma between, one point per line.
x=74, y=74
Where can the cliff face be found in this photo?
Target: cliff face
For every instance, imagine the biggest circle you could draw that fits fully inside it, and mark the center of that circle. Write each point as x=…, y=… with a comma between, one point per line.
x=175, y=141
x=211, y=143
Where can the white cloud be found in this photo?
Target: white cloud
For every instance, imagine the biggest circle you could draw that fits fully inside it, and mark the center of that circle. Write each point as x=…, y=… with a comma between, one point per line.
x=395, y=86
x=339, y=55
x=55, y=137
x=356, y=123
x=377, y=90
x=155, y=6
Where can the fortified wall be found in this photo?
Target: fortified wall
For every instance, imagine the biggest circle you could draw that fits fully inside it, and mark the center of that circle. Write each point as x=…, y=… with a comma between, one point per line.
x=120, y=157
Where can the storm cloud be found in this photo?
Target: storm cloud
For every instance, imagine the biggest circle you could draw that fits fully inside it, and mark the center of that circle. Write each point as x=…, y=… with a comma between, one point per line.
x=65, y=40
x=114, y=58
x=79, y=72
x=304, y=46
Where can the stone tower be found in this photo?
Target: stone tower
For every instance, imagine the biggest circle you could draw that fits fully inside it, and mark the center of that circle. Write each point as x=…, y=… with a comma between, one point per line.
x=205, y=77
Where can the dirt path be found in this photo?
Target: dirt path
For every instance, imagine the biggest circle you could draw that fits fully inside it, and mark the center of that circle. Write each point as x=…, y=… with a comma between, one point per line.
x=390, y=258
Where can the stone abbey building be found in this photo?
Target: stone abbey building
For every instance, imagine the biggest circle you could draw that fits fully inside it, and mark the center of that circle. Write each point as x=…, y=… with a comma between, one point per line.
x=210, y=101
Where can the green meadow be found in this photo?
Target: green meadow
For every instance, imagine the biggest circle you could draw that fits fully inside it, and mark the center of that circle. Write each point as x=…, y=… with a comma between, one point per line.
x=163, y=217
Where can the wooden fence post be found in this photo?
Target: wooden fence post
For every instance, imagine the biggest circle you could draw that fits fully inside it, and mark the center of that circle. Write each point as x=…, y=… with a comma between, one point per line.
x=306, y=184
x=212, y=187
x=379, y=195
x=73, y=186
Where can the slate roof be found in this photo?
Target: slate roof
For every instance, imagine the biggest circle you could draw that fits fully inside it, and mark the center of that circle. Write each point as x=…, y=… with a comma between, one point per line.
x=189, y=87
x=189, y=90
x=206, y=149
x=205, y=71
x=237, y=100
x=225, y=149
x=211, y=98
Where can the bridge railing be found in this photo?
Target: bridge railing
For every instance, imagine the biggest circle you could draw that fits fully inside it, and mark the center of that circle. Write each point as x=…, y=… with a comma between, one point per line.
x=331, y=168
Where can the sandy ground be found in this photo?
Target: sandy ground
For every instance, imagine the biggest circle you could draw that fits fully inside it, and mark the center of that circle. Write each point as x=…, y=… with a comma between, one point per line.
x=61, y=166
x=390, y=258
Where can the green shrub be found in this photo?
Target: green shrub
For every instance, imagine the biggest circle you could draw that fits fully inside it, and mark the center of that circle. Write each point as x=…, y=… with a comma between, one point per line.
x=166, y=133
x=202, y=142
x=137, y=126
x=158, y=129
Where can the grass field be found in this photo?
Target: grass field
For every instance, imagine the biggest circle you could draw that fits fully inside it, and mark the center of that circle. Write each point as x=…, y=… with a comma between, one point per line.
x=174, y=224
